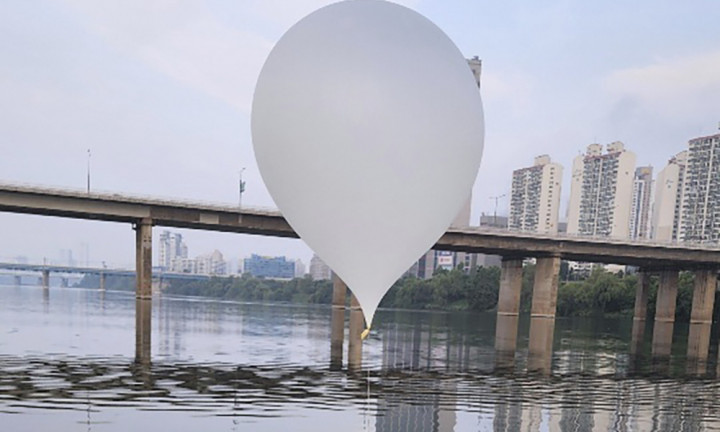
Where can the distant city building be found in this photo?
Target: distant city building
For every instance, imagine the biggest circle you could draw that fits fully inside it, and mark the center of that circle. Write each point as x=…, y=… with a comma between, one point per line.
x=318, y=269
x=173, y=257
x=299, y=268
x=700, y=217
x=494, y=221
x=172, y=249
x=667, y=207
x=535, y=197
x=601, y=192
x=269, y=267
x=211, y=264
x=182, y=265
x=641, y=199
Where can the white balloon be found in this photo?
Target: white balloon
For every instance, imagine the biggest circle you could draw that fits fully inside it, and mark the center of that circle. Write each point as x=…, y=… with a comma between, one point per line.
x=367, y=126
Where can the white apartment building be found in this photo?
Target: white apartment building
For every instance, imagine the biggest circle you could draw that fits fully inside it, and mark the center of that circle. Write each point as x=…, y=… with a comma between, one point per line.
x=700, y=215
x=601, y=192
x=171, y=249
x=318, y=269
x=211, y=264
x=641, y=200
x=535, y=197
x=668, y=199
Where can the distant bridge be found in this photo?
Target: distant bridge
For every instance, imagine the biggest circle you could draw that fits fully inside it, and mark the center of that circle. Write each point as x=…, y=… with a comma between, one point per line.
x=39, y=268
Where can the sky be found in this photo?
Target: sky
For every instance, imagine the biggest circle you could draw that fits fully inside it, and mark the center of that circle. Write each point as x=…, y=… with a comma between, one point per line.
x=160, y=93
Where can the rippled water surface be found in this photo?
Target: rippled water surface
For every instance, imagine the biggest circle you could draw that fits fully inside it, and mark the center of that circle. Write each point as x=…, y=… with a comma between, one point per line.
x=74, y=359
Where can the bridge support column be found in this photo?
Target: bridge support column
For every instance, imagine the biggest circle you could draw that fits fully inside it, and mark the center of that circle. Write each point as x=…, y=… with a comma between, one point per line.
x=337, y=323
x=640, y=315
x=506, y=326
x=143, y=330
x=357, y=325
x=103, y=278
x=542, y=316
x=46, y=278
x=701, y=315
x=18, y=280
x=665, y=313
x=143, y=259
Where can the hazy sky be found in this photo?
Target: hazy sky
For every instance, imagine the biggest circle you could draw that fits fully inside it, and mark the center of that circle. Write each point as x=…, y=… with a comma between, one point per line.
x=160, y=92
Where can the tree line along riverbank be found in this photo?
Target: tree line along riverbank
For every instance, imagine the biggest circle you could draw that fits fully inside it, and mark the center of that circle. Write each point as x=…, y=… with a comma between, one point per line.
x=600, y=294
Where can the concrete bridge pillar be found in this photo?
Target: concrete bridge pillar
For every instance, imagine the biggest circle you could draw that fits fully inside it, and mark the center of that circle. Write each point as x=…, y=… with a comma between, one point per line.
x=64, y=282
x=143, y=330
x=665, y=313
x=103, y=278
x=640, y=315
x=337, y=323
x=143, y=259
x=542, y=315
x=18, y=280
x=506, y=326
x=357, y=325
x=46, y=278
x=701, y=314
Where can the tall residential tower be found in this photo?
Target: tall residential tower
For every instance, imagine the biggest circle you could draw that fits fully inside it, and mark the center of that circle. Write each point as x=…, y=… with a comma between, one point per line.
x=668, y=199
x=535, y=197
x=700, y=217
x=601, y=192
x=641, y=200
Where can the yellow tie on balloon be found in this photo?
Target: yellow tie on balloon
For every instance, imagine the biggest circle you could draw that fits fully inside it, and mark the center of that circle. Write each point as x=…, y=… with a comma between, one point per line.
x=367, y=126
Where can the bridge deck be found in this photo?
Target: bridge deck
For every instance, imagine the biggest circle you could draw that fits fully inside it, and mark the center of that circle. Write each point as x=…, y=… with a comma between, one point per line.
x=187, y=214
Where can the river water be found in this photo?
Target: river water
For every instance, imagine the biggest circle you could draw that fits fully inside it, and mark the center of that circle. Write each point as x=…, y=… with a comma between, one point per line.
x=71, y=360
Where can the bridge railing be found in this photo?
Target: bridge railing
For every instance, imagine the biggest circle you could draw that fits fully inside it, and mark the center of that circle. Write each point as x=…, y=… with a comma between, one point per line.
x=708, y=245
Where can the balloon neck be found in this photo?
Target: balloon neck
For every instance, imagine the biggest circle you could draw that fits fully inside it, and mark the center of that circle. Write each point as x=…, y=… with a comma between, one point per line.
x=365, y=334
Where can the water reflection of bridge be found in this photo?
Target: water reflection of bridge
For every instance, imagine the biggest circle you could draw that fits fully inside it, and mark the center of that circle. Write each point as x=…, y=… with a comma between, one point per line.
x=430, y=379
x=591, y=391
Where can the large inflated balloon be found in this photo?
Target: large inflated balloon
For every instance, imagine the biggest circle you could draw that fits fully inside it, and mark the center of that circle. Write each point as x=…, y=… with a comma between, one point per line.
x=368, y=132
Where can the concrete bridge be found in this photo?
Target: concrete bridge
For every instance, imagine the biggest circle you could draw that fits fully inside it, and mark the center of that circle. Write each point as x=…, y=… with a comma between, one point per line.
x=663, y=259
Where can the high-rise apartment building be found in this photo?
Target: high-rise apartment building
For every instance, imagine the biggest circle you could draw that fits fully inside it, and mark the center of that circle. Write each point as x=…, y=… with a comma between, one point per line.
x=601, y=192
x=700, y=217
x=641, y=199
x=667, y=207
x=171, y=248
x=535, y=197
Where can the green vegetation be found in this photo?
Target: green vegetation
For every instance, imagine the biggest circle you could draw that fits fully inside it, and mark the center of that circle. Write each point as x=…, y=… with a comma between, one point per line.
x=602, y=293
x=248, y=288
x=117, y=283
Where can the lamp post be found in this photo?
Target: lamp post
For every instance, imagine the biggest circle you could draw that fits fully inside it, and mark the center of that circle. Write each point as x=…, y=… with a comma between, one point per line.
x=241, y=188
x=88, y=171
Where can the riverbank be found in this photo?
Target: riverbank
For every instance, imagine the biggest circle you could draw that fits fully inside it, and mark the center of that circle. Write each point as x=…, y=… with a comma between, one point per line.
x=600, y=294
